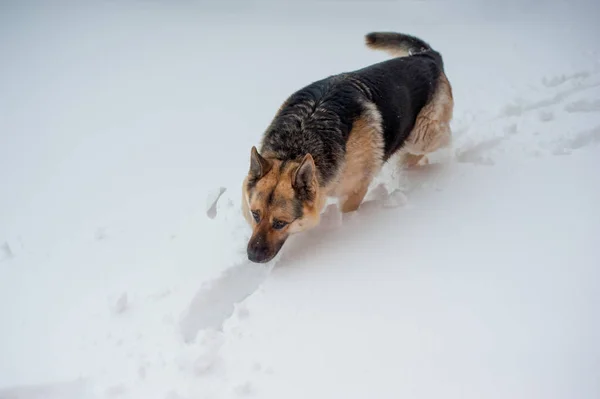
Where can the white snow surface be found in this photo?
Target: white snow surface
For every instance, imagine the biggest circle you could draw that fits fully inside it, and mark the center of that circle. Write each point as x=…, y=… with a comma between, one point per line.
x=125, y=133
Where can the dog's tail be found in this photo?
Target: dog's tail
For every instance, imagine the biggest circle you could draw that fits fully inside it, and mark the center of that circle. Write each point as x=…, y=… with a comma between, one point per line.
x=396, y=44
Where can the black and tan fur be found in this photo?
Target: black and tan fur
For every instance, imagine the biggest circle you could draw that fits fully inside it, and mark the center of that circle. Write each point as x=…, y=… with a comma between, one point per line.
x=331, y=138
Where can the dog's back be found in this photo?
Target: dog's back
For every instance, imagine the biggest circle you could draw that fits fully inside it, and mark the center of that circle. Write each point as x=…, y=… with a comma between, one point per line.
x=400, y=88
x=318, y=118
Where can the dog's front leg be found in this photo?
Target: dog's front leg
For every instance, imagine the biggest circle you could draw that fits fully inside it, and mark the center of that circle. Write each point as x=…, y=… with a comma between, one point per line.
x=352, y=201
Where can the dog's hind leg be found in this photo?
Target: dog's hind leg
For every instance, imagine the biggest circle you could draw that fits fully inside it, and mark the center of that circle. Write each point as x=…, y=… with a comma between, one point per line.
x=410, y=160
x=432, y=127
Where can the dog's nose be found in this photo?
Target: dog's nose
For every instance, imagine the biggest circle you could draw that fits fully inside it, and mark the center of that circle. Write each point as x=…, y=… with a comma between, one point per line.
x=258, y=254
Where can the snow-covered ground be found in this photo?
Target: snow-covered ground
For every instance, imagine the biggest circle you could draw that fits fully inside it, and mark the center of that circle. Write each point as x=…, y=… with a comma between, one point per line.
x=122, y=275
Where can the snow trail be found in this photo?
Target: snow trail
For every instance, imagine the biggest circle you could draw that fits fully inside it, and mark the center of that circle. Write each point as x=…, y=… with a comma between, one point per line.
x=123, y=271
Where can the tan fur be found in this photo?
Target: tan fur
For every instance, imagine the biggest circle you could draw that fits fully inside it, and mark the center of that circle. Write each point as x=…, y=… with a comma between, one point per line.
x=245, y=203
x=364, y=154
x=432, y=127
x=391, y=49
x=409, y=160
x=280, y=209
x=283, y=191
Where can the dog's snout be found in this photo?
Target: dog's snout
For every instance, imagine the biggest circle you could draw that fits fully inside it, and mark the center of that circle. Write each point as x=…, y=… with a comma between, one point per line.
x=259, y=253
x=258, y=250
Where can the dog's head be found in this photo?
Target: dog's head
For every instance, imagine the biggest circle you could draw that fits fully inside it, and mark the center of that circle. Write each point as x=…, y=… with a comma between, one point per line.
x=280, y=198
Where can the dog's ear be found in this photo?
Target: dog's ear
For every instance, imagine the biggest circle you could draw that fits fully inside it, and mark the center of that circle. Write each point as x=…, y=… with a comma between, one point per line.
x=303, y=178
x=259, y=166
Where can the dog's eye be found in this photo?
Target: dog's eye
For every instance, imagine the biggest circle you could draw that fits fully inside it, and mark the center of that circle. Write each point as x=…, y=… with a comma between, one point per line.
x=279, y=224
x=256, y=216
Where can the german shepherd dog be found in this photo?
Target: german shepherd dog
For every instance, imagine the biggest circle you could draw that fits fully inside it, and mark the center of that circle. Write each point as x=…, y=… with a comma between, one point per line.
x=331, y=138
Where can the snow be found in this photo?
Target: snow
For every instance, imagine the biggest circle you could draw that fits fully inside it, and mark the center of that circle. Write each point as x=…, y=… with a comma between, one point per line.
x=126, y=130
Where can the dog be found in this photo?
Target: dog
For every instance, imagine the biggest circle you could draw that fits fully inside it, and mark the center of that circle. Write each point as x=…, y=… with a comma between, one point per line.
x=331, y=138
